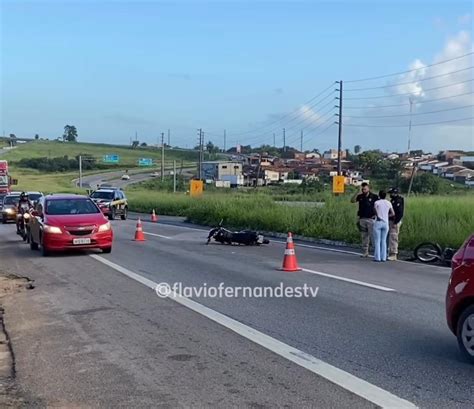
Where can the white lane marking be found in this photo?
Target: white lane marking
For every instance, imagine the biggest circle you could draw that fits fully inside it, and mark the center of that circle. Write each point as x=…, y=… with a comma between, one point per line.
x=350, y=280
x=345, y=380
x=158, y=235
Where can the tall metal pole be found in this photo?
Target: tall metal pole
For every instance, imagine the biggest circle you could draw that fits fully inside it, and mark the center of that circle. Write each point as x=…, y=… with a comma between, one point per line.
x=174, y=176
x=162, y=156
x=225, y=137
x=284, y=140
x=301, y=142
x=339, y=137
x=80, y=171
x=169, y=137
x=200, y=154
x=274, y=141
x=409, y=124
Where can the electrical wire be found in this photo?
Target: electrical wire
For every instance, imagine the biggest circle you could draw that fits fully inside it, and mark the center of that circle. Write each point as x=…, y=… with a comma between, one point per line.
x=404, y=126
x=410, y=93
x=319, y=133
x=408, y=71
x=415, y=103
x=410, y=82
x=418, y=113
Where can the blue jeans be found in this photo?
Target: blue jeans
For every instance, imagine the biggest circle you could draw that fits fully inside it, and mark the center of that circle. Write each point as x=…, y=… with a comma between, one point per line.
x=380, y=233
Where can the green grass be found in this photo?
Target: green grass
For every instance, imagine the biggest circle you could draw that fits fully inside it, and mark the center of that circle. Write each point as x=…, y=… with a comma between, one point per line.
x=445, y=220
x=128, y=156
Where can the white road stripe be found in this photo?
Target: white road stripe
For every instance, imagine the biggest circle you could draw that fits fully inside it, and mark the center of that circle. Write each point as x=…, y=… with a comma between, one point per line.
x=359, y=387
x=158, y=235
x=350, y=280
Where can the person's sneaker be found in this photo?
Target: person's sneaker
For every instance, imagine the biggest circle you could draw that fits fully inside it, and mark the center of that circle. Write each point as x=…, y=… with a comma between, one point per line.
x=365, y=255
x=392, y=257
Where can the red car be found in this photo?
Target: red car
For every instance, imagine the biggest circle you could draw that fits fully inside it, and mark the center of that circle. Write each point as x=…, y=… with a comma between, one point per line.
x=62, y=222
x=460, y=298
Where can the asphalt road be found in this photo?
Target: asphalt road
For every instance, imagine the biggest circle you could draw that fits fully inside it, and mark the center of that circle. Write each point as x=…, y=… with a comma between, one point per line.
x=90, y=335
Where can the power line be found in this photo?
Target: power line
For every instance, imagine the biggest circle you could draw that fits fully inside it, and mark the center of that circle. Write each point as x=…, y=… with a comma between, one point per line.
x=403, y=126
x=318, y=134
x=408, y=71
x=419, y=113
x=286, y=115
x=404, y=105
x=411, y=93
x=410, y=82
x=331, y=118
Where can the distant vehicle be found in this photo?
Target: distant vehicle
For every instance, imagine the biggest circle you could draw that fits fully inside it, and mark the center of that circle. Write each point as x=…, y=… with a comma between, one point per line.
x=9, y=207
x=112, y=202
x=34, y=196
x=125, y=177
x=155, y=174
x=5, y=180
x=61, y=222
x=460, y=298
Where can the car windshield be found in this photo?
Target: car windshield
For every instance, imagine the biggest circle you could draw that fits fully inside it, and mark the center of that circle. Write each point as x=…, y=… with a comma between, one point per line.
x=103, y=195
x=9, y=200
x=70, y=206
x=34, y=196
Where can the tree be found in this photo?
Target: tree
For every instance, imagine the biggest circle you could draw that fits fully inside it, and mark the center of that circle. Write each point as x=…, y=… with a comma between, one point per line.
x=70, y=133
x=426, y=183
x=357, y=149
x=144, y=144
x=135, y=144
x=37, y=136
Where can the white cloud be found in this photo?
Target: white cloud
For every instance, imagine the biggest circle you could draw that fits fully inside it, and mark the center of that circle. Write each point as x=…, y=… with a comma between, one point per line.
x=465, y=19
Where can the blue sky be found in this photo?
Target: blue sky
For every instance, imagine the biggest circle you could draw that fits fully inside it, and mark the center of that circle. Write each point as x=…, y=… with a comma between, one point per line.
x=114, y=68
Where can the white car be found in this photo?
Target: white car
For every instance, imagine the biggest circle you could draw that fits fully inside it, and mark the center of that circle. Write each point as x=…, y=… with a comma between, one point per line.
x=125, y=177
x=155, y=174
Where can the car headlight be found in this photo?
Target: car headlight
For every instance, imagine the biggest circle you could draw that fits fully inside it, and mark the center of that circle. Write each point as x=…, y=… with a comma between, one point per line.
x=26, y=216
x=105, y=227
x=9, y=210
x=52, y=229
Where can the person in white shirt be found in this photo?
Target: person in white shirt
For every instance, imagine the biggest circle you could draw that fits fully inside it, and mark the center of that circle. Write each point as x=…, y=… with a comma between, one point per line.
x=383, y=210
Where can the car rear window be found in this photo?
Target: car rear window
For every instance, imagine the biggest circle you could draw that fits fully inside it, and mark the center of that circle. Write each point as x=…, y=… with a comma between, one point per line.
x=103, y=195
x=70, y=206
x=34, y=196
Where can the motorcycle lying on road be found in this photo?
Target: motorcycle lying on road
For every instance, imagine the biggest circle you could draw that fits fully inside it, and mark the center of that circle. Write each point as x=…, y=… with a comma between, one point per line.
x=246, y=237
x=432, y=252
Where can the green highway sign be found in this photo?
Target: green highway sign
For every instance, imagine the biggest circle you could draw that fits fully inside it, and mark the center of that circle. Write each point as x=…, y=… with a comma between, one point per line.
x=111, y=158
x=145, y=162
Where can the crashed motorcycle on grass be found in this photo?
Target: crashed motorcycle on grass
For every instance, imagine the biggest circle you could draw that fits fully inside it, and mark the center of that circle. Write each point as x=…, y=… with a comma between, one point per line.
x=245, y=237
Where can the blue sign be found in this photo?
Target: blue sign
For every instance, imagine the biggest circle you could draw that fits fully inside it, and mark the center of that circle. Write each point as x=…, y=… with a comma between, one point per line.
x=145, y=162
x=111, y=158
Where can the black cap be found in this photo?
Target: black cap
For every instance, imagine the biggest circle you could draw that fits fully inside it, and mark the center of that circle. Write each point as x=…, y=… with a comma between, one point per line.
x=393, y=191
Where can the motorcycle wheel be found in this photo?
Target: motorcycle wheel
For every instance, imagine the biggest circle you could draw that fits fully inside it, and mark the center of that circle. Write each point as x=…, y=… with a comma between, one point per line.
x=428, y=252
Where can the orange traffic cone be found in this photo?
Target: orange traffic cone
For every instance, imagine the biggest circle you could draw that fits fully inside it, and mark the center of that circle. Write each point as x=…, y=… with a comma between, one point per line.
x=289, y=260
x=139, y=235
x=154, y=217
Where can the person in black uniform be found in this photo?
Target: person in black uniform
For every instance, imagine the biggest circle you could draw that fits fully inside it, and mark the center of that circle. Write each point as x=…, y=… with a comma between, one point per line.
x=398, y=204
x=366, y=213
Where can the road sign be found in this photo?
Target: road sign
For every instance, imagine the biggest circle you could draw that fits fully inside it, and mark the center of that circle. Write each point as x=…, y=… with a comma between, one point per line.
x=145, y=162
x=196, y=188
x=111, y=158
x=338, y=184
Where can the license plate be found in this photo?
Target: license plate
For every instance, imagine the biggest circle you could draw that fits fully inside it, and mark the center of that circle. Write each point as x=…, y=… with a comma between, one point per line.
x=81, y=241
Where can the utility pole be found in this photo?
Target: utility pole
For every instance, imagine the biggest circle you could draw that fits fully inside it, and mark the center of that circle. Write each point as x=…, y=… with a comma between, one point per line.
x=162, y=156
x=225, y=137
x=80, y=171
x=301, y=142
x=339, y=138
x=174, y=176
x=200, y=154
x=409, y=124
x=274, y=142
x=284, y=140
x=169, y=138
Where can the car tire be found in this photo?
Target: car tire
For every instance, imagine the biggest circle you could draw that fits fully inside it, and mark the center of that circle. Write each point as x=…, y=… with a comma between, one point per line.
x=33, y=245
x=107, y=250
x=112, y=214
x=44, y=250
x=465, y=333
x=124, y=214
x=4, y=220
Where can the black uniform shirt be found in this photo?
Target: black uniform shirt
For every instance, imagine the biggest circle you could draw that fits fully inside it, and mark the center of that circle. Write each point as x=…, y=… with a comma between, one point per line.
x=366, y=205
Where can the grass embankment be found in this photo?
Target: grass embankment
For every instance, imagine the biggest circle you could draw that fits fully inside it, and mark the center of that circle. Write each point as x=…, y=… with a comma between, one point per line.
x=128, y=156
x=446, y=220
